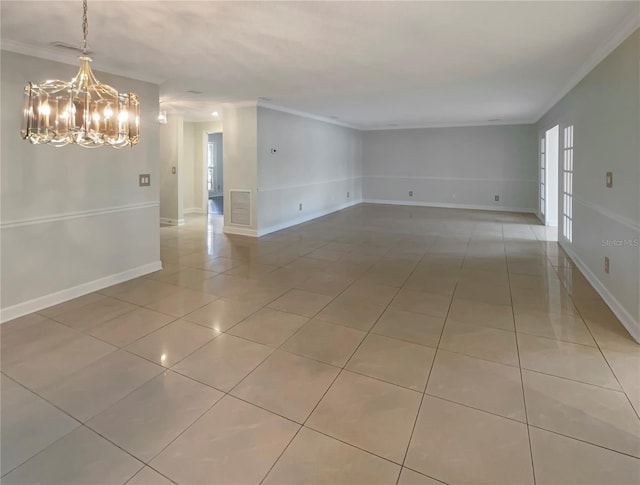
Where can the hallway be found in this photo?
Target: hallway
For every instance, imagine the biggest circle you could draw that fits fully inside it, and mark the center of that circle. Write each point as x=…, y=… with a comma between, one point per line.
x=216, y=205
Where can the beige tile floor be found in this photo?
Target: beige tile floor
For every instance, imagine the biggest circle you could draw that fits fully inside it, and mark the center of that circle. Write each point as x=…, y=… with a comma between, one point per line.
x=376, y=345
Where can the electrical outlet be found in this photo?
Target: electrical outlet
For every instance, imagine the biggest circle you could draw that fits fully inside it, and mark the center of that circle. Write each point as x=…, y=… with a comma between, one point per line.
x=411, y=193
x=173, y=170
x=496, y=198
x=606, y=264
x=609, y=179
x=300, y=207
x=144, y=180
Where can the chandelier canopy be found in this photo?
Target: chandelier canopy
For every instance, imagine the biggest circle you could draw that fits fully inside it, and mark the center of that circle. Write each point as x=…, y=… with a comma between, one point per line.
x=83, y=111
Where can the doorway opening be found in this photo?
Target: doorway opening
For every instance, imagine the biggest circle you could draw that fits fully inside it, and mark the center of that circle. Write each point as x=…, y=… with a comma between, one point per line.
x=213, y=179
x=549, y=174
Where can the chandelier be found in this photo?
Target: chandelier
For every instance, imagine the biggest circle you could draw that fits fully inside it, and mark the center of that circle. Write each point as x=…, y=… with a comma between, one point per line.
x=83, y=111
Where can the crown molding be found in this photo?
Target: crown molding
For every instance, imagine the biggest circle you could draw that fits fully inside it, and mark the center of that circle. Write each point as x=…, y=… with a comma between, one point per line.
x=200, y=119
x=628, y=27
x=324, y=119
x=53, y=54
x=304, y=114
x=241, y=104
x=461, y=124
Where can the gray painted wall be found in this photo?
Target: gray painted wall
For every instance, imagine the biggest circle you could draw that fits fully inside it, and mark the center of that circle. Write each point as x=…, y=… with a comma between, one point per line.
x=453, y=167
x=240, y=161
x=605, y=111
x=172, y=155
x=72, y=217
x=315, y=164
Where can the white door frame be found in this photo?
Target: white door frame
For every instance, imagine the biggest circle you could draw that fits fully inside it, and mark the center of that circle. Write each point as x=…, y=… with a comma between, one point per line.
x=542, y=177
x=552, y=174
x=566, y=194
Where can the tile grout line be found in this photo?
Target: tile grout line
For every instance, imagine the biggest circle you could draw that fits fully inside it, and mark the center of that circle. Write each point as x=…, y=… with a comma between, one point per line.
x=85, y=424
x=337, y=375
x=636, y=411
x=319, y=400
x=284, y=417
x=433, y=362
x=341, y=368
x=303, y=425
x=81, y=425
x=573, y=438
x=156, y=471
x=165, y=369
x=524, y=398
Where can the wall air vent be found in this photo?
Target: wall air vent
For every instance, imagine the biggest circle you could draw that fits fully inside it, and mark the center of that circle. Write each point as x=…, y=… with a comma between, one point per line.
x=240, y=207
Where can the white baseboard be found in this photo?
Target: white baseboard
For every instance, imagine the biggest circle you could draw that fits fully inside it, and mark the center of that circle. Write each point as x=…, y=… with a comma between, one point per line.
x=451, y=206
x=51, y=299
x=171, y=222
x=314, y=215
x=305, y=218
x=194, y=210
x=632, y=326
x=240, y=231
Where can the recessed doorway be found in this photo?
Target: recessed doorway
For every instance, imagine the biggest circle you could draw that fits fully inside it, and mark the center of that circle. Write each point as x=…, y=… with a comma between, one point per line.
x=214, y=176
x=549, y=173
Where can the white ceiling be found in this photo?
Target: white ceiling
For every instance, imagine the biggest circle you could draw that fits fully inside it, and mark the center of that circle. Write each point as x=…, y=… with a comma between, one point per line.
x=370, y=64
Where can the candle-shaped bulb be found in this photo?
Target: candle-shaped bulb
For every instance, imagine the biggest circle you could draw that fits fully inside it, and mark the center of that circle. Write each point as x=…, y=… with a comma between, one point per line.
x=44, y=109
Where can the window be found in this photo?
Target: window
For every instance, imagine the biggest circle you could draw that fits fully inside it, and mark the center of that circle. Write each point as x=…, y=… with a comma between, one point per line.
x=567, y=187
x=542, y=175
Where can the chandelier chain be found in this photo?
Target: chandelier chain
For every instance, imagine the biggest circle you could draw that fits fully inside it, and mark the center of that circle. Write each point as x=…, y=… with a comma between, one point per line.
x=85, y=27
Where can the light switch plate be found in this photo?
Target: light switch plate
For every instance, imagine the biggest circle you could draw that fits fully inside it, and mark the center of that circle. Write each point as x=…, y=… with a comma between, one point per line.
x=173, y=170
x=144, y=180
x=609, y=180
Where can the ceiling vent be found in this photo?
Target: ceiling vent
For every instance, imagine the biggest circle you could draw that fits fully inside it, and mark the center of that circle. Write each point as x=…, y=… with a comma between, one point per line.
x=69, y=47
